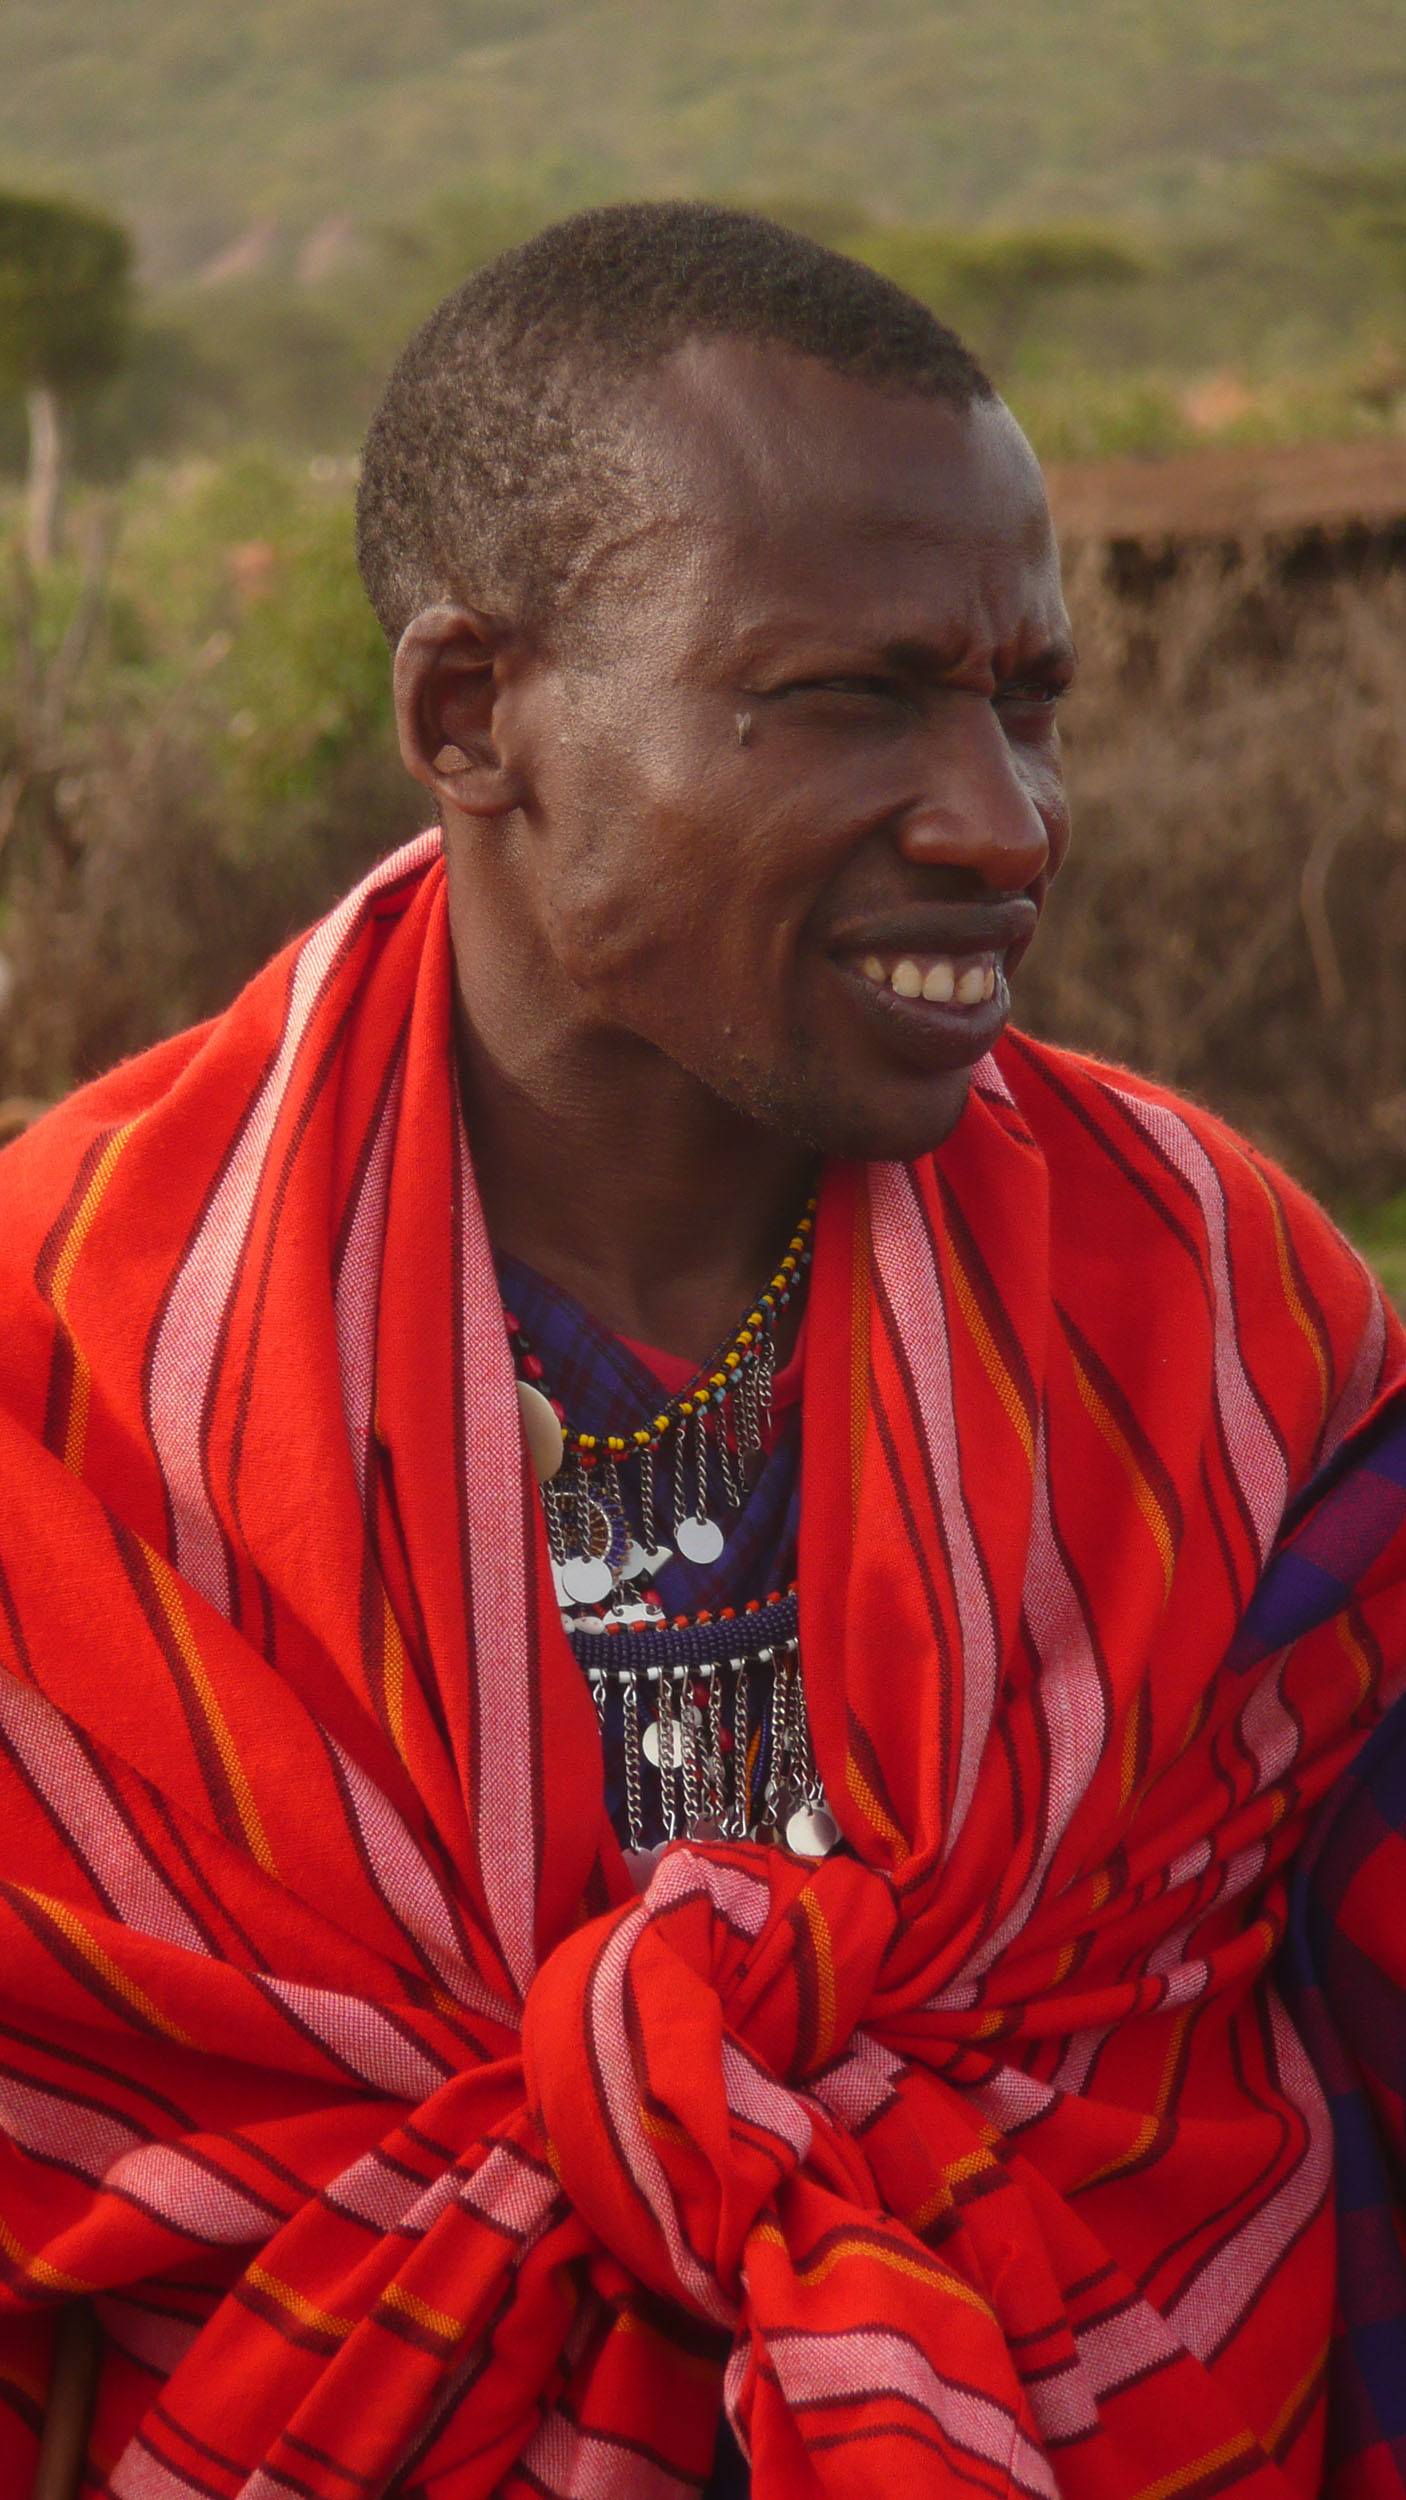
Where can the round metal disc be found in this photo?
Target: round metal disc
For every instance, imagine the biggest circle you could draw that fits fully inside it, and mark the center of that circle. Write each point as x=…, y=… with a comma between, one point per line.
x=640, y=1559
x=541, y=1430
x=650, y=1745
x=586, y=1578
x=811, y=1832
x=699, y=1540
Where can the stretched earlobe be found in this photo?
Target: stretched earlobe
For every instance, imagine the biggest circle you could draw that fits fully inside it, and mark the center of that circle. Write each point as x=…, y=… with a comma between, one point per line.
x=448, y=682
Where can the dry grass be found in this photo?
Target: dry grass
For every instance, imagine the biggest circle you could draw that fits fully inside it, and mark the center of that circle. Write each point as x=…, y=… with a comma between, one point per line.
x=1233, y=914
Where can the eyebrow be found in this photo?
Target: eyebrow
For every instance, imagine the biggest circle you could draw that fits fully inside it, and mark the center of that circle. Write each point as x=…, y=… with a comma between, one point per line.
x=915, y=653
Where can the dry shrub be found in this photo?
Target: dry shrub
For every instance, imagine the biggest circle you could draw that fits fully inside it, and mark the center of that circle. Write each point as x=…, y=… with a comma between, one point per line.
x=1233, y=913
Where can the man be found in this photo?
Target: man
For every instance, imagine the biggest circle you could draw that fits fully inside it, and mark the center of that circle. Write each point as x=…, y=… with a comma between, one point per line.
x=421, y=1391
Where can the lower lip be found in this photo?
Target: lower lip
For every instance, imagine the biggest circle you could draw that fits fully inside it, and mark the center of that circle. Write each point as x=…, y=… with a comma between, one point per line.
x=937, y=1031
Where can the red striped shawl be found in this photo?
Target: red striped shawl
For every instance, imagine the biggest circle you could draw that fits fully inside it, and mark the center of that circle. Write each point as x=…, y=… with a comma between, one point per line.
x=394, y=2135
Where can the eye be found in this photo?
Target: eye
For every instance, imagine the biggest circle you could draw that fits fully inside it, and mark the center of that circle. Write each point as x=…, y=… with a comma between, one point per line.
x=1041, y=693
x=882, y=689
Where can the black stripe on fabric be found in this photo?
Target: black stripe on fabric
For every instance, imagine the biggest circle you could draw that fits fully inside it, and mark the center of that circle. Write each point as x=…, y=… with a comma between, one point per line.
x=54, y=1942
x=217, y=1782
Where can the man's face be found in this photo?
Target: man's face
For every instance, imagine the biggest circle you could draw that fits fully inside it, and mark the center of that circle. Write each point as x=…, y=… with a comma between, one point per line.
x=802, y=761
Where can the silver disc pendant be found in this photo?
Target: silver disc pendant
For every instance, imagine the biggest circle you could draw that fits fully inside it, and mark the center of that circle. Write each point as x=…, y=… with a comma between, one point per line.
x=541, y=1430
x=811, y=1832
x=652, y=1748
x=640, y=1559
x=586, y=1578
x=699, y=1540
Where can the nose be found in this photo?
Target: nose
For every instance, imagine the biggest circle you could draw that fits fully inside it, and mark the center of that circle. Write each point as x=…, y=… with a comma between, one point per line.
x=974, y=810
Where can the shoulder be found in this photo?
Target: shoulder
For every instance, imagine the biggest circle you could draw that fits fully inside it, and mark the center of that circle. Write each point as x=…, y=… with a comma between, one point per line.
x=1139, y=1171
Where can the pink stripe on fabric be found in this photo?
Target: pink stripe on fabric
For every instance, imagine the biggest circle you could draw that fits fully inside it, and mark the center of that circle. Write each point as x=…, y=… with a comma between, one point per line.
x=573, y=2464
x=65, y=1779
x=506, y=1806
x=362, y=2037
x=871, y=2362
x=60, y=2129
x=1070, y=1700
x=1271, y=1733
x=1227, y=2286
x=373, y=2191
x=912, y=1282
x=1121, y=2348
x=188, y=2196
x=759, y=2101
x=743, y=1900
x=160, y=2342
x=1360, y=1387
x=605, y=2015
x=357, y=1298
x=411, y=1891
x=1256, y=1458
x=510, y=2192
x=860, y=2083
x=188, y=1341
x=138, y=2475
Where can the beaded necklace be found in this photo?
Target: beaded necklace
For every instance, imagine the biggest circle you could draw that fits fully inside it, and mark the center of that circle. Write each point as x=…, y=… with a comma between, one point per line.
x=704, y=1714
x=726, y=1407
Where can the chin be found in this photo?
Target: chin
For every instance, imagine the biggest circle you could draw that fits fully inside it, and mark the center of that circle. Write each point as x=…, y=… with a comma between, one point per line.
x=851, y=1129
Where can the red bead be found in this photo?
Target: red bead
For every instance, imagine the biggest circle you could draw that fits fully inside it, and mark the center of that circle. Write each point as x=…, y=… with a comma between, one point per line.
x=724, y=1740
x=512, y=1323
x=728, y=1615
x=533, y=1365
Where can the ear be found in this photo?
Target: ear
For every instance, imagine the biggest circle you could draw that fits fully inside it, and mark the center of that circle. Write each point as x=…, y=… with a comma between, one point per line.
x=448, y=679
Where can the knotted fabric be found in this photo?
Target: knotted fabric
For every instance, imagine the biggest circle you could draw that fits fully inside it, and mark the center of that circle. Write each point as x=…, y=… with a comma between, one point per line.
x=397, y=2140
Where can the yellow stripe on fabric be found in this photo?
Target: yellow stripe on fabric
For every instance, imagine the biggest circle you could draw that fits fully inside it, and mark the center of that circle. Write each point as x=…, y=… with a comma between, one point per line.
x=1128, y=1766
x=873, y=1812
x=873, y=2254
x=1147, y=2133
x=297, y=2304
x=38, y=2269
x=1211, y=2463
x=997, y=1369
x=1296, y=2398
x=953, y=2176
x=1362, y=1664
x=664, y=2130
x=824, y=1975
x=440, y=2322
x=1292, y=1296
x=393, y=1674
x=168, y=1591
x=1153, y=1514
x=76, y=1429
x=71, y=1926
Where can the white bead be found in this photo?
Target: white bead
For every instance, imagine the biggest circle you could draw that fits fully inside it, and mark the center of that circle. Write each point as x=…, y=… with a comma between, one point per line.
x=541, y=1430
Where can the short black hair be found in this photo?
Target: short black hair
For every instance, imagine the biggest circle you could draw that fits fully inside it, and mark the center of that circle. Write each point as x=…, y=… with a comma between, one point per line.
x=497, y=450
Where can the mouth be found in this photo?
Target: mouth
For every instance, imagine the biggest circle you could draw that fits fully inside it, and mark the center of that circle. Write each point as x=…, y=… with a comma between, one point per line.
x=941, y=994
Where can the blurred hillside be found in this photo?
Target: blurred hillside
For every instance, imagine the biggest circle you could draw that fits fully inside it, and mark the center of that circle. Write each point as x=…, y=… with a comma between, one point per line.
x=266, y=128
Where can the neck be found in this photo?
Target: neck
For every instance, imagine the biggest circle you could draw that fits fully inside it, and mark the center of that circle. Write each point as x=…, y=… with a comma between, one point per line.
x=627, y=1182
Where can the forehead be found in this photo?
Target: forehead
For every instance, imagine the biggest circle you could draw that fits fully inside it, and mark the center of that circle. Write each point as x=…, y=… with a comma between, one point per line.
x=781, y=493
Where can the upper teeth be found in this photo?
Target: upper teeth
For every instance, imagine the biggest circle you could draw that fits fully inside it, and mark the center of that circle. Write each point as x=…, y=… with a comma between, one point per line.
x=934, y=977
